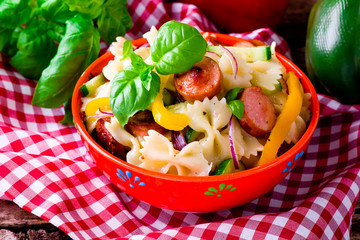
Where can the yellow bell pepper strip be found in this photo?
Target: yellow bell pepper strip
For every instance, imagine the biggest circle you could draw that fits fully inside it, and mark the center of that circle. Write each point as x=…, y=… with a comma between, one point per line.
x=91, y=107
x=166, y=118
x=285, y=119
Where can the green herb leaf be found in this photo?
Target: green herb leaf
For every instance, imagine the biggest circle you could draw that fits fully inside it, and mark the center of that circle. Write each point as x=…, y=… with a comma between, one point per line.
x=237, y=108
x=58, y=80
x=5, y=36
x=127, y=49
x=14, y=12
x=10, y=47
x=131, y=93
x=32, y=58
x=95, y=48
x=177, y=47
x=68, y=117
x=56, y=31
x=87, y=7
x=56, y=11
x=233, y=94
x=136, y=61
x=114, y=20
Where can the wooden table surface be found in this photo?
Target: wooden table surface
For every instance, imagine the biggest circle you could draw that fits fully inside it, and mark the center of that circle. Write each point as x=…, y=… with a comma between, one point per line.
x=16, y=223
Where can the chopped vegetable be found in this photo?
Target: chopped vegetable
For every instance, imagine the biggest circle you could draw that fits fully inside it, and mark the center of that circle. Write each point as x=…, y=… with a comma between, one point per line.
x=232, y=60
x=233, y=94
x=285, y=119
x=250, y=54
x=236, y=106
x=232, y=144
x=167, y=119
x=268, y=85
x=96, y=104
x=168, y=97
x=191, y=135
x=90, y=86
x=225, y=167
x=178, y=140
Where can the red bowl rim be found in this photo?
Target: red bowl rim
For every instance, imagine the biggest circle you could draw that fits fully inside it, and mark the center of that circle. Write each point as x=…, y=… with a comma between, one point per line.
x=256, y=170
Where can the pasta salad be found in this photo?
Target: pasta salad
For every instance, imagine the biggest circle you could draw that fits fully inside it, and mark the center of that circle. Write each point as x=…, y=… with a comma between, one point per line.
x=193, y=106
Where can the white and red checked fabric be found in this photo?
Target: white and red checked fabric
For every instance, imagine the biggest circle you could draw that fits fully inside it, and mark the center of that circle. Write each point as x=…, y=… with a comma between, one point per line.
x=44, y=168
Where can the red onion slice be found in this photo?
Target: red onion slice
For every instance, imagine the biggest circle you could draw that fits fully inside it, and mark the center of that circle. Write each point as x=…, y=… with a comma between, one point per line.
x=98, y=116
x=106, y=113
x=178, y=140
x=232, y=59
x=211, y=52
x=102, y=115
x=232, y=145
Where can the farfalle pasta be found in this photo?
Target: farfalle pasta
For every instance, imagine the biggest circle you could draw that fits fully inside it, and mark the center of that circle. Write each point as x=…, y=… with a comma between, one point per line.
x=225, y=105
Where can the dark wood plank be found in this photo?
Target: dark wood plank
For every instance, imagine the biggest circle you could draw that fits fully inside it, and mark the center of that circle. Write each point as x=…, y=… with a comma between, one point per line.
x=19, y=224
x=355, y=226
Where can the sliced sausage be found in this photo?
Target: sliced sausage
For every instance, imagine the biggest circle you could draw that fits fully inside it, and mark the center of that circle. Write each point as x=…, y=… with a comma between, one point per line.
x=249, y=43
x=257, y=42
x=244, y=43
x=142, y=122
x=203, y=80
x=213, y=41
x=107, y=141
x=259, y=112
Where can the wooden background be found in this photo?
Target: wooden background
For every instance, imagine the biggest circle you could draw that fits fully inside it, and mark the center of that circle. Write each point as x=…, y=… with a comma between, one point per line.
x=16, y=223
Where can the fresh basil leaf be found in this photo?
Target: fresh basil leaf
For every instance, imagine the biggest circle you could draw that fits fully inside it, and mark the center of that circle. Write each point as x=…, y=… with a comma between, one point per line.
x=68, y=117
x=237, y=108
x=136, y=61
x=56, y=31
x=33, y=38
x=58, y=80
x=5, y=36
x=32, y=58
x=130, y=94
x=56, y=11
x=127, y=49
x=88, y=7
x=10, y=47
x=233, y=94
x=177, y=47
x=31, y=66
x=95, y=48
x=10, y=8
x=114, y=20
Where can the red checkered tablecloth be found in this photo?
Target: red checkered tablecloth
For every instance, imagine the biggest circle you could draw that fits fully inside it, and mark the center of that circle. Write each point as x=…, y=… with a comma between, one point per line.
x=44, y=168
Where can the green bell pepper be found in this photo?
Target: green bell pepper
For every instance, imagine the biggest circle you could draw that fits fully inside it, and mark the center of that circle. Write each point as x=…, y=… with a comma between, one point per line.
x=332, y=52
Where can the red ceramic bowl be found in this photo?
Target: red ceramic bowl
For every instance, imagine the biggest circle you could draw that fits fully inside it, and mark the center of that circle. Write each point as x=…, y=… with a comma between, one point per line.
x=193, y=194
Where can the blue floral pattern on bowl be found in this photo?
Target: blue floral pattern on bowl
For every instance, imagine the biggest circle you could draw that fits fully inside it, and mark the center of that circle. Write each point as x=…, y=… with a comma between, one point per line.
x=288, y=167
x=127, y=177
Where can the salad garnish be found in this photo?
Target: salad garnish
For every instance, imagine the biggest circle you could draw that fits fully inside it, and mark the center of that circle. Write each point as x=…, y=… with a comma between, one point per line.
x=177, y=47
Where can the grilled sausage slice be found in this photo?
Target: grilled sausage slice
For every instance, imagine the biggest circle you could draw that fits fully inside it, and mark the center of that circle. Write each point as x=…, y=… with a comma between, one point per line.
x=142, y=122
x=107, y=141
x=203, y=80
x=259, y=112
x=213, y=41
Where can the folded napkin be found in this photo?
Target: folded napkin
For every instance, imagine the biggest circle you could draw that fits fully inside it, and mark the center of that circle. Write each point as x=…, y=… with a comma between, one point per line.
x=44, y=167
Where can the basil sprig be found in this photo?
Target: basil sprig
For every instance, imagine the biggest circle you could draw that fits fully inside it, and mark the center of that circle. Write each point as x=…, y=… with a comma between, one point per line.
x=53, y=41
x=177, y=47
